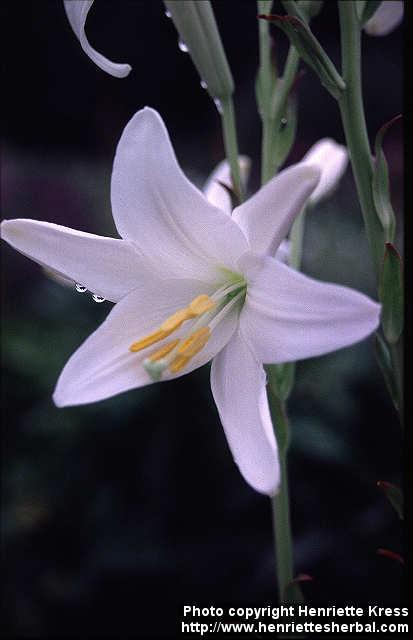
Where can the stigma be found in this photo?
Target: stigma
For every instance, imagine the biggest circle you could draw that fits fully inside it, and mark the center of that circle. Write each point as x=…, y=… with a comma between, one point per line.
x=203, y=314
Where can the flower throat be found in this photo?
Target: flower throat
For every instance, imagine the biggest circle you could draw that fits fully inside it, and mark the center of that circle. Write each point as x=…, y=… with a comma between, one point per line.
x=205, y=313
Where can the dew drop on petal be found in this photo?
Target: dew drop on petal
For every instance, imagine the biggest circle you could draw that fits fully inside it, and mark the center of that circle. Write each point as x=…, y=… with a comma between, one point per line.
x=204, y=84
x=182, y=46
x=97, y=298
x=218, y=105
x=80, y=288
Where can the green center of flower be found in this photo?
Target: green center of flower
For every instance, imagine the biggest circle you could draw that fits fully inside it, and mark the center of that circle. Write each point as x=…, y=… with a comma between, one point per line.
x=203, y=315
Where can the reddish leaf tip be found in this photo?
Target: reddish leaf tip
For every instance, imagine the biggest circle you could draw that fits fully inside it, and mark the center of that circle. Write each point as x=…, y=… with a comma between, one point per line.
x=391, y=554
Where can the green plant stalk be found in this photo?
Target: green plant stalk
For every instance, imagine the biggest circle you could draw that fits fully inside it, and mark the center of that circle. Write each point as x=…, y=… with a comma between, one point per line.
x=280, y=503
x=354, y=124
x=355, y=129
x=275, y=96
x=226, y=109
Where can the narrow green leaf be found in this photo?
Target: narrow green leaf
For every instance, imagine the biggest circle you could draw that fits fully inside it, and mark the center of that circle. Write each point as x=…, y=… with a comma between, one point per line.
x=370, y=7
x=394, y=495
x=391, y=294
x=381, y=184
x=384, y=360
x=311, y=51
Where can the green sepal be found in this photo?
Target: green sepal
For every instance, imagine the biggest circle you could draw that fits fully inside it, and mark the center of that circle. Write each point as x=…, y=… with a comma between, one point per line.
x=381, y=184
x=366, y=9
x=391, y=294
x=311, y=51
x=394, y=495
x=385, y=364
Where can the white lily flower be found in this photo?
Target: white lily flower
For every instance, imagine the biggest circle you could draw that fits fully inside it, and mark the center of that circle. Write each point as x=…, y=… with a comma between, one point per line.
x=387, y=17
x=332, y=159
x=76, y=11
x=191, y=284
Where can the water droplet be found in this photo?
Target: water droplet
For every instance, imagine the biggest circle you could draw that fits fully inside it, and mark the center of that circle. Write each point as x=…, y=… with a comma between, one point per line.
x=97, y=298
x=204, y=84
x=218, y=105
x=168, y=13
x=80, y=288
x=182, y=46
x=283, y=123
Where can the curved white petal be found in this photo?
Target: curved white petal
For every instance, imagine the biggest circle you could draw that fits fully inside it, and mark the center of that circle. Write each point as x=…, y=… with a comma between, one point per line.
x=76, y=11
x=267, y=217
x=106, y=266
x=103, y=366
x=331, y=158
x=215, y=193
x=156, y=206
x=289, y=316
x=238, y=386
x=387, y=17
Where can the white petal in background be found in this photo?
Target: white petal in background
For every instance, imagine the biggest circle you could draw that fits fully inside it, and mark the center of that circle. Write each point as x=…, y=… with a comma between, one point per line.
x=289, y=316
x=106, y=266
x=238, y=385
x=387, y=17
x=268, y=215
x=217, y=194
x=332, y=159
x=76, y=11
x=161, y=211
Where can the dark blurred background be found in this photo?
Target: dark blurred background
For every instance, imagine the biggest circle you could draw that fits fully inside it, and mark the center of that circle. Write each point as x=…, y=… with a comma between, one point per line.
x=118, y=513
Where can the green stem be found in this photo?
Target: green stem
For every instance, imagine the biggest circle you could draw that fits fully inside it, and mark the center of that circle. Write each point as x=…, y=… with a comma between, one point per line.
x=354, y=123
x=226, y=108
x=280, y=503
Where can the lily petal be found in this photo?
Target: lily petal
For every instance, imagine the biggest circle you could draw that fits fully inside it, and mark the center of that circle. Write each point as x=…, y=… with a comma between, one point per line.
x=387, y=17
x=106, y=266
x=331, y=158
x=166, y=216
x=267, y=217
x=289, y=316
x=215, y=193
x=238, y=385
x=76, y=11
x=103, y=365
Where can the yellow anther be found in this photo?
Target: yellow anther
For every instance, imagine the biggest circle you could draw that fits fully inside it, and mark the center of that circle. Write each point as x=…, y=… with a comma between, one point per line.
x=148, y=340
x=163, y=351
x=175, y=320
x=201, y=304
x=197, y=307
x=189, y=348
